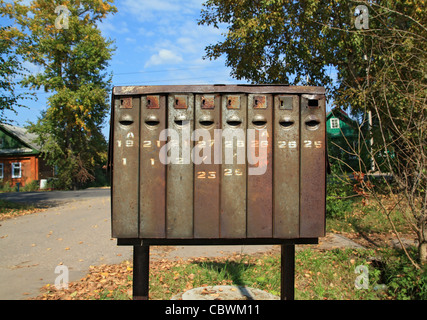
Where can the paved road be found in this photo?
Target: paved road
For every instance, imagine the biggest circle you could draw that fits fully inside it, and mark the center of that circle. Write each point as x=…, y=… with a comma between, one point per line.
x=55, y=196
x=75, y=233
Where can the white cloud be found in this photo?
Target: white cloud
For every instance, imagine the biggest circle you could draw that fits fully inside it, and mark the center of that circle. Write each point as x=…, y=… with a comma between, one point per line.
x=169, y=43
x=148, y=10
x=145, y=33
x=107, y=27
x=164, y=56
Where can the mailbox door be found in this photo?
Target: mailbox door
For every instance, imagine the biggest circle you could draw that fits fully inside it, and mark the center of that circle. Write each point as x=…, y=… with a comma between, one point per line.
x=206, y=169
x=125, y=167
x=260, y=166
x=179, y=207
x=233, y=175
x=152, y=170
x=313, y=166
x=286, y=166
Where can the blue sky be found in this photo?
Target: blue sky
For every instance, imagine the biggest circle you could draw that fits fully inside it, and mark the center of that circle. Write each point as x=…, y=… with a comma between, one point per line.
x=157, y=43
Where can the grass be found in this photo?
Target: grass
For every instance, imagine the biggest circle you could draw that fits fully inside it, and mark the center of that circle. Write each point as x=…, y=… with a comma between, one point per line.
x=367, y=219
x=9, y=209
x=320, y=275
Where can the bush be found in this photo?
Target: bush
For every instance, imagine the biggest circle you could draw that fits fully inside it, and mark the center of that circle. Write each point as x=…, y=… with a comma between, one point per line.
x=101, y=179
x=403, y=280
x=53, y=184
x=32, y=186
x=6, y=186
x=338, y=196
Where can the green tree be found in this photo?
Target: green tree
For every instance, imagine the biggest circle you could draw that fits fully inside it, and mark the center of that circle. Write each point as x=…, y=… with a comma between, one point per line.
x=74, y=56
x=380, y=67
x=10, y=69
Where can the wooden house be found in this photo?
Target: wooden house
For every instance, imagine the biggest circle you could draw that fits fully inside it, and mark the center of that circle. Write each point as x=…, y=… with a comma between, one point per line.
x=20, y=157
x=343, y=139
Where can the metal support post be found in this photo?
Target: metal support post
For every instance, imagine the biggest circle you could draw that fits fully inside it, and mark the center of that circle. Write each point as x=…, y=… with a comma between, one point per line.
x=287, y=288
x=141, y=271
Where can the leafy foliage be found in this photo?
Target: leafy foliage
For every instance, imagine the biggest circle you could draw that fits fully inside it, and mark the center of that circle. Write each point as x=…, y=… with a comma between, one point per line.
x=380, y=70
x=10, y=68
x=338, y=196
x=280, y=41
x=74, y=62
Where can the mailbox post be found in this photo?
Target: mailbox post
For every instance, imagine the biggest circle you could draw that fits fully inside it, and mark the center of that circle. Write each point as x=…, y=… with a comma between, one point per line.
x=217, y=164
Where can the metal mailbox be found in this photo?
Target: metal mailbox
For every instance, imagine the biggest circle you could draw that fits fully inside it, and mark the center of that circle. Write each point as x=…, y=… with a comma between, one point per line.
x=218, y=164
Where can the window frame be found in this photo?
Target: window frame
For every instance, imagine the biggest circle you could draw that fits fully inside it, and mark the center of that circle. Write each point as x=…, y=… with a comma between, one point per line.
x=13, y=170
x=335, y=123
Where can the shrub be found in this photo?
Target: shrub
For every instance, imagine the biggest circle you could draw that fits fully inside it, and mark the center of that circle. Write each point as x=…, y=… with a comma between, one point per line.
x=338, y=196
x=6, y=186
x=403, y=280
x=32, y=186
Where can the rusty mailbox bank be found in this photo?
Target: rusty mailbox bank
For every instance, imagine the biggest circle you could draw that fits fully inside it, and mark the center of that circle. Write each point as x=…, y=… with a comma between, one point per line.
x=218, y=164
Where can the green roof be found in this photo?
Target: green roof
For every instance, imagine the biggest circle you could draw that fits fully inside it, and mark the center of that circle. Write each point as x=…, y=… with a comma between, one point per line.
x=17, y=140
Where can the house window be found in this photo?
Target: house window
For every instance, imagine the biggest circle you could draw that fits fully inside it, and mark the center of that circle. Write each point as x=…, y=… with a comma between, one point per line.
x=335, y=123
x=1, y=170
x=16, y=170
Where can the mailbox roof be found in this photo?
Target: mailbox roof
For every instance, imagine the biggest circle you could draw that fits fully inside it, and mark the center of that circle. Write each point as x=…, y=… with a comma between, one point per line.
x=218, y=88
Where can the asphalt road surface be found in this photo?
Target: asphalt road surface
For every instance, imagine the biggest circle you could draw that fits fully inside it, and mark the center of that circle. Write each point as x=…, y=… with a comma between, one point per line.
x=55, y=196
x=74, y=232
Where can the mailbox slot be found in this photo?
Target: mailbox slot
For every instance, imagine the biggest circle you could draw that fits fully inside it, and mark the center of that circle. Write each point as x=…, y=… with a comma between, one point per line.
x=312, y=166
x=180, y=180
x=152, y=195
x=233, y=167
x=260, y=166
x=207, y=171
x=286, y=166
x=125, y=143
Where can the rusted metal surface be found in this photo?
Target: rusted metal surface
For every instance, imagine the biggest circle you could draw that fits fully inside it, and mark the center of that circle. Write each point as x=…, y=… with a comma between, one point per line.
x=125, y=173
x=179, y=198
x=260, y=166
x=152, y=188
x=313, y=166
x=208, y=101
x=258, y=102
x=222, y=89
x=207, y=173
x=233, y=173
x=152, y=102
x=180, y=102
x=232, y=101
x=286, y=166
x=125, y=103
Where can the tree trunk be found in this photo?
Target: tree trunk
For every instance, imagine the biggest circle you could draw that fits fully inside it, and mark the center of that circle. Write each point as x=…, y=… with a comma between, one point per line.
x=423, y=243
x=423, y=253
